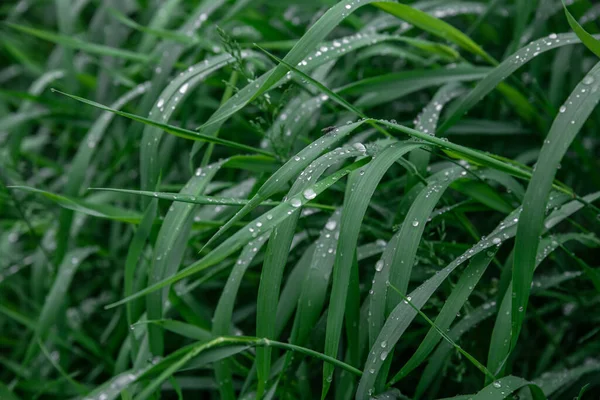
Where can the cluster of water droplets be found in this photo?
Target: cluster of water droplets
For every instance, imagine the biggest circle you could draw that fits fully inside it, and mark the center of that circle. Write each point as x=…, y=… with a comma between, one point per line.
x=338, y=47
x=459, y=9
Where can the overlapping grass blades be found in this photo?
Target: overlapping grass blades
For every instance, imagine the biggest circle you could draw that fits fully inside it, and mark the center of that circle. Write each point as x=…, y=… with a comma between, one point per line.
x=252, y=267
x=571, y=117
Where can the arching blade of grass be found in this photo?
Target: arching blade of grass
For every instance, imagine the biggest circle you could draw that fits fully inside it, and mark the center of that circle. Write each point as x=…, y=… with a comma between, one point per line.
x=174, y=130
x=81, y=162
x=434, y=26
x=288, y=171
x=203, y=200
x=278, y=249
x=455, y=302
x=222, y=320
x=485, y=260
x=161, y=17
x=301, y=50
x=314, y=286
x=169, y=247
x=229, y=341
x=427, y=122
x=181, y=328
x=451, y=308
x=389, y=87
x=243, y=236
x=503, y=387
x=56, y=296
x=500, y=343
x=505, y=69
x=395, y=265
x=356, y=202
x=96, y=210
x=554, y=381
x=571, y=117
x=27, y=110
x=402, y=315
x=486, y=310
x=79, y=44
x=131, y=263
x=588, y=40
x=169, y=101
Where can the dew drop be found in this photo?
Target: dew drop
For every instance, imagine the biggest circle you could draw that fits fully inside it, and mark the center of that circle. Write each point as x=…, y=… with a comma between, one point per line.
x=296, y=203
x=562, y=109
x=379, y=267
x=309, y=194
x=360, y=147
x=183, y=88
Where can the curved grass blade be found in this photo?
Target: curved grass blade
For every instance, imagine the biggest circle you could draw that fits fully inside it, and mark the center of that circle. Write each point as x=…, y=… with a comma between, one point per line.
x=168, y=251
x=402, y=315
x=486, y=310
x=503, y=387
x=389, y=87
x=174, y=130
x=486, y=260
x=278, y=250
x=196, y=350
x=131, y=262
x=243, y=236
x=169, y=100
x=588, y=40
x=461, y=292
x=551, y=382
x=85, y=207
x=288, y=171
x=505, y=69
x=181, y=328
x=426, y=122
x=434, y=26
x=298, y=55
x=314, y=286
x=567, y=124
x=356, y=201
x=78, y=44
x=222, y=320
x=56, y=295
x=395, y=265
x=80, y=164
x=500, y=343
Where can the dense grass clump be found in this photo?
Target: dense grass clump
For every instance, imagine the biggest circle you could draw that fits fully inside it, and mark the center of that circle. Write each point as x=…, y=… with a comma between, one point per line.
x=298, y=200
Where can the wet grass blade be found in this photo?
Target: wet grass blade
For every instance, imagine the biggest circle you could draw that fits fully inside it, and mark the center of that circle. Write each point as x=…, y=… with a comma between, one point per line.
x=505, y=69
x=78, y=44
x=571, y=117
x=356, y=201
x=85, y=207
x=243, y=236
x=174, y=130
x=588, y=40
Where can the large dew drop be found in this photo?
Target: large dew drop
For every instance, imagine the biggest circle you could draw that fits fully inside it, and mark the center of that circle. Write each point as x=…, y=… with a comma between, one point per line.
x=296, y=203
x=309, y=194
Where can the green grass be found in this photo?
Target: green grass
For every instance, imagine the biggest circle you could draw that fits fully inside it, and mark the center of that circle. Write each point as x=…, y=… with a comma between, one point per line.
x=299, y=200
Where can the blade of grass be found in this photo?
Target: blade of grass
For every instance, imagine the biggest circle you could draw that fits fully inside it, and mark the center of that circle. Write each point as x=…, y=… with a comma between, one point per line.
x=567, y=124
